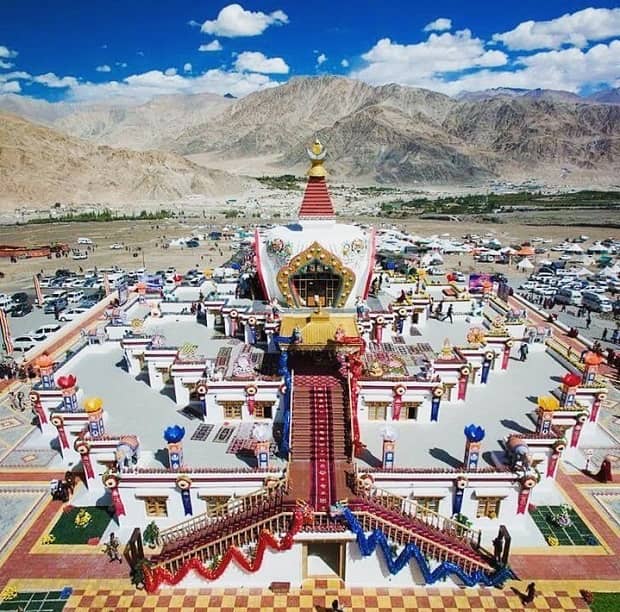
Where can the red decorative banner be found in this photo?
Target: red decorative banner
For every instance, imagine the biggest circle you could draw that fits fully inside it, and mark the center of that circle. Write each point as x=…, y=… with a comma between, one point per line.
x=397, y=405
x=524, y=496
x=251, y=405
x=462, y=389
x=378, y=332
x=62, y=434
x=505, y=357
x=574, y=439
x=233, y=327
x=88, y=466
x=553, y=461
x=119, y=509
x=595, y=408
x=40, y=412
x=155, y=577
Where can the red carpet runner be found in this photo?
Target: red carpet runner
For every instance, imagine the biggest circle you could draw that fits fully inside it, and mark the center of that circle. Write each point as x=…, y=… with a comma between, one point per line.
x=322, y=456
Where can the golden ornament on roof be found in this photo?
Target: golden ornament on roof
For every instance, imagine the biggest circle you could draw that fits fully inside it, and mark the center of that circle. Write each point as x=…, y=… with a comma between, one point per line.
x=316, y=153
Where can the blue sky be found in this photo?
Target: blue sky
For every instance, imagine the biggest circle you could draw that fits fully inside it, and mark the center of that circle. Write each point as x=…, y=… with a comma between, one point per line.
x=136, y=49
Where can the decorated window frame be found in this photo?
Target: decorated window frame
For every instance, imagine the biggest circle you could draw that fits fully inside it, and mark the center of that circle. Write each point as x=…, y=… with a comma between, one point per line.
x=315, y=252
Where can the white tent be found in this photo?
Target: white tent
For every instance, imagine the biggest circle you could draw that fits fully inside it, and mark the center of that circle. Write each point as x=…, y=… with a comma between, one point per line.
x=573, y=248
x=525, y=264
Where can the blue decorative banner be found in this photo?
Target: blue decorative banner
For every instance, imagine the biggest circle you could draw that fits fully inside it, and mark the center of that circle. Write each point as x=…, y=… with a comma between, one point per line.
x=187, y=501
x=486, y=367
x=457, y=502
x=435, y=408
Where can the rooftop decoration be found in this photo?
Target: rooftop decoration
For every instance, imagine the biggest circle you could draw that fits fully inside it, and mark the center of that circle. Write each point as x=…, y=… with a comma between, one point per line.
x=44, y=361
x=593, y=359
x=446, y=349
x=548, y=403
x=475, y=336
x=474, y=433
x=571, y=380
x=388, y=433
x=93, y=404
x=174, y=433
x=66, y=382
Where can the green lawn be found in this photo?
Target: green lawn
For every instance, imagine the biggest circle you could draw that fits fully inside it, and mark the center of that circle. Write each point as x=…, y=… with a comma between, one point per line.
x=66, y=532
x=606, y=602
x=576, y=534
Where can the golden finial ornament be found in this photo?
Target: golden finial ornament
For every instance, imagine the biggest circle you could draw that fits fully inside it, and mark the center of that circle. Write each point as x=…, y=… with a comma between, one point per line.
x=316, y=153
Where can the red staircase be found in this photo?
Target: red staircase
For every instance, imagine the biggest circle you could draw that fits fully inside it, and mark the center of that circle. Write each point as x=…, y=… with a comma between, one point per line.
x=435, y=541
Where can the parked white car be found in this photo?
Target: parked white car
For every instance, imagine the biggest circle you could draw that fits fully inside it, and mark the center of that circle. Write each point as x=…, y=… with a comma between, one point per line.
x=75, y=297
x=69, y=315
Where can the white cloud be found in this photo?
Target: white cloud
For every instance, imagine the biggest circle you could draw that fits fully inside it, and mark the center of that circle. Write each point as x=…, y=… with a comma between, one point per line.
x=214, y=45
x=17, y=74
x=142, y=87
x=170, y=71
x=321, y=59
x=104, y=68
x=49, y=79
x=254, y=61
x=390, y=62
x=439, y=25
x=344, y=63
x=121, y=64
x=577, y=29
x=5, y=52
x=10, y=87
x=6, y=65
x=233, y=20
x=187, y=67
x=193, y=23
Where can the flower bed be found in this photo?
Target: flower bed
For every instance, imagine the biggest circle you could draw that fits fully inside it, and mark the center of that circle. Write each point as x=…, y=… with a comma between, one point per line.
x=67, y=531
x=559, y=531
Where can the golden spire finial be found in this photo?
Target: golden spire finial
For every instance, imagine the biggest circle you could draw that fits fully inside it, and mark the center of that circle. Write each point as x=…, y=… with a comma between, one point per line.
x=316, y=154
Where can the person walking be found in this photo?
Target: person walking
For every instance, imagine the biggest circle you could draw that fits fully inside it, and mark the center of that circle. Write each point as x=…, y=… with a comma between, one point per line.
x=21, y=401
x=336, y=607
x=111, y=549
x=604, y=335
x=523, y=351
x=449, y=313
x=588, y=320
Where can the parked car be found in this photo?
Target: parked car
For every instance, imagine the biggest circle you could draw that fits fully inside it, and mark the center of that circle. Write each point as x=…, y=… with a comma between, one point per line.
x=69, y=315
x=21, y=310
x=19, y=298
x=593, y=301
x=78, y=256
x=48, y=328
x=55, y=306
x=192, y=244
x=23, y=343
x=56, y=295
x=570, y=297
x=116, y=246
x=88, y=302
x=84, y=241
x=5, y=301
x=74, y=297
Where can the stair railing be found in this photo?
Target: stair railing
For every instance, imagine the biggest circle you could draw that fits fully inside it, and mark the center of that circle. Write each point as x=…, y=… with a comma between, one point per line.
x=234, y=505
x=412, y=509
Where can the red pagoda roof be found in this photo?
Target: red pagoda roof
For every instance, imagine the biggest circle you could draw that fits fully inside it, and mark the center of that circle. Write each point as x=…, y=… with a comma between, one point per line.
x=317, y=204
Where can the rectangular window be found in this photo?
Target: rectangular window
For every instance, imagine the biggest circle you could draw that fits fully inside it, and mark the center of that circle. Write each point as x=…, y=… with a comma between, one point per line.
x=488, y=506
x=232, y=410
x=213, y=502
x=377, y=410
x=427, y=503
x=409, y=411
x=263, y=410
x=156, y=506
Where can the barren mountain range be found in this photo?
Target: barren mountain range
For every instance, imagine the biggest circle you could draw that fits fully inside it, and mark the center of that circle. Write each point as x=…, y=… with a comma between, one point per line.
x=40, y=166
x=387, y=134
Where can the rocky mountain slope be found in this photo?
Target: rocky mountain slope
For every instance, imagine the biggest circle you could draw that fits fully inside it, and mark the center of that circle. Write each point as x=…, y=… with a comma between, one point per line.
x=391, y=134
x=39, y=166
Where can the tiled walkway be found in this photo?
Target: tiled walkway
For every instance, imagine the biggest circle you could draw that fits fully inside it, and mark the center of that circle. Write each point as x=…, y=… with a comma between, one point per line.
x=110, y=598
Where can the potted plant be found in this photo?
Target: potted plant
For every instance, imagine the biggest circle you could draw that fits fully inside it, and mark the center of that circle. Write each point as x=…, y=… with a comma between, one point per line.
x=151, y=535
